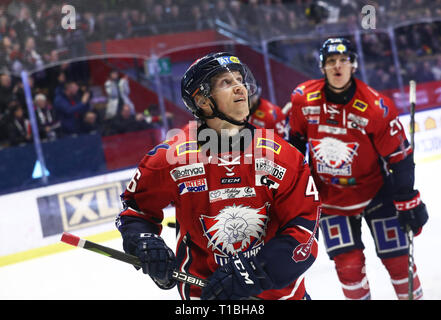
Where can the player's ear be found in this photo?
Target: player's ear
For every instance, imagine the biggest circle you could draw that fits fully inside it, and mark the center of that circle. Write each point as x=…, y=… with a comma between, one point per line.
x=322, y=70
x=202, y=102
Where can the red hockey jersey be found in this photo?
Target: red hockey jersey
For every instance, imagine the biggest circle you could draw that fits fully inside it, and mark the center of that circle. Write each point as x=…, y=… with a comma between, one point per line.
x=346, y=142
x=268, y=116
x=260, y=196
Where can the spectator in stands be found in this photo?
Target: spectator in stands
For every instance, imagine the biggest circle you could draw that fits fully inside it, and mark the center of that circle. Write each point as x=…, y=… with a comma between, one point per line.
x=124, y=89
x=90, y=123
x=5, y=52
x=19, y=127
x=425, y=73
x=238, y=15
x=4, y=27
x=125, y=121
x=6, y=92
x=158, y=23
x=114, y=98
x=70, y=109
x=196, y=22
x=224, y=14
x=48, y=125
x=24, y=25
x=16, y=58
x=50, y=34
x=207, y=10
x=174, y=19
x=20, y=94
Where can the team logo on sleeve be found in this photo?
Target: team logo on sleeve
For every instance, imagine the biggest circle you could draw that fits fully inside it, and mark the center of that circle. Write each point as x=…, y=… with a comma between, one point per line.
x=334, y=156
x=268, y=144
x=187, y=147
x=235, y=228
x=383, y=106
x=313, y=96
x=299, y=90
x=163, y=145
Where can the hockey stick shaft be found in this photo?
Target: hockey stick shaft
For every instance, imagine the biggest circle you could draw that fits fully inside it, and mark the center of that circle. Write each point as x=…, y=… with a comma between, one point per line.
x=412, y=100
x=124, y=257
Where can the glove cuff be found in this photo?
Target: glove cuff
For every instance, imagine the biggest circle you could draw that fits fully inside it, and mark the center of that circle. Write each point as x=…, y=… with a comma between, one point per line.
x=408, y=201
x=258, y=273
x=165, y=285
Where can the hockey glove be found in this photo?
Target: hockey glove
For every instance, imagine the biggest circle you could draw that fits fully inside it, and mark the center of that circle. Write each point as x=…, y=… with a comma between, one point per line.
x=157, y=259
x=411, y=211
x=240, y=278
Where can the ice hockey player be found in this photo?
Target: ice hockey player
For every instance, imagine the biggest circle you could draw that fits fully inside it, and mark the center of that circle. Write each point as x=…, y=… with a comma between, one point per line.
x=363, y=166
x=247, y=209
x=265, y=114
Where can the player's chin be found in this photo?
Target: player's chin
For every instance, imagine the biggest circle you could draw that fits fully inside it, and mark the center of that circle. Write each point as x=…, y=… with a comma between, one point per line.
x=241, y=114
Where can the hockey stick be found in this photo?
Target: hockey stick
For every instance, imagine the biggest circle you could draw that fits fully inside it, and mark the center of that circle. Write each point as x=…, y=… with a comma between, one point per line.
x=124, y=257
x=412, y=100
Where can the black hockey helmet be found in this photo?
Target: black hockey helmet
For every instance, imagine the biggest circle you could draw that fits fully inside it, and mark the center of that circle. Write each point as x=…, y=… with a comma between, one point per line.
x=197, y=79
x=337, y=46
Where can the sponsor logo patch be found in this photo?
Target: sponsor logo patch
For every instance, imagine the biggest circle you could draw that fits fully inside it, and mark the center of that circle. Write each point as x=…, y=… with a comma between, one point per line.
x=188, y=171
x=197, y=185
x=263, y=165
x=231, y=193
x=310, y=110
x=230, y=180
x=266, y=181
x=227, y=60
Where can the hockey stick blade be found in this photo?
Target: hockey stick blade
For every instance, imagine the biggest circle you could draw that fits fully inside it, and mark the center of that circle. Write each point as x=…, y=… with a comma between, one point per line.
x=124, y=257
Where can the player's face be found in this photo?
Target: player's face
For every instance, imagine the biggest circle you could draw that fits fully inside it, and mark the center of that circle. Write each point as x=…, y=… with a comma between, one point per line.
x=231, y=95
x=338, y=69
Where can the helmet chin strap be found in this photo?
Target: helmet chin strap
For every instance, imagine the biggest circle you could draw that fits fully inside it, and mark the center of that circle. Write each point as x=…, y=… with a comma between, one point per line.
x=223, y=116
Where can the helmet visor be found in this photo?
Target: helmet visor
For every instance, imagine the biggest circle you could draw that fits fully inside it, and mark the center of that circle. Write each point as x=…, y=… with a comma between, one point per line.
x=230, y=76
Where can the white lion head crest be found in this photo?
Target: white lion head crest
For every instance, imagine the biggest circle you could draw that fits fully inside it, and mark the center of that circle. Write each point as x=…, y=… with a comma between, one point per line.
x=333, y=152
x=234, y=226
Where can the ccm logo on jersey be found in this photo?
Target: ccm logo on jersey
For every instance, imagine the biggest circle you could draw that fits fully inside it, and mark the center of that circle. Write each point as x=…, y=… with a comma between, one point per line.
x=193, y=186
x=190, y=170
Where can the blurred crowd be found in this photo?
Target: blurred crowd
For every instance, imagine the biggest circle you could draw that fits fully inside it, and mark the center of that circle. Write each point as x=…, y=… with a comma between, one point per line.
x=32, y=38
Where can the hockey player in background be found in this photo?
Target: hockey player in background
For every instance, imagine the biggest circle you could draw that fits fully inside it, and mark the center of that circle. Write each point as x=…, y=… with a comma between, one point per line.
x=265, y=114
x=247, y=209
x=363, y=166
